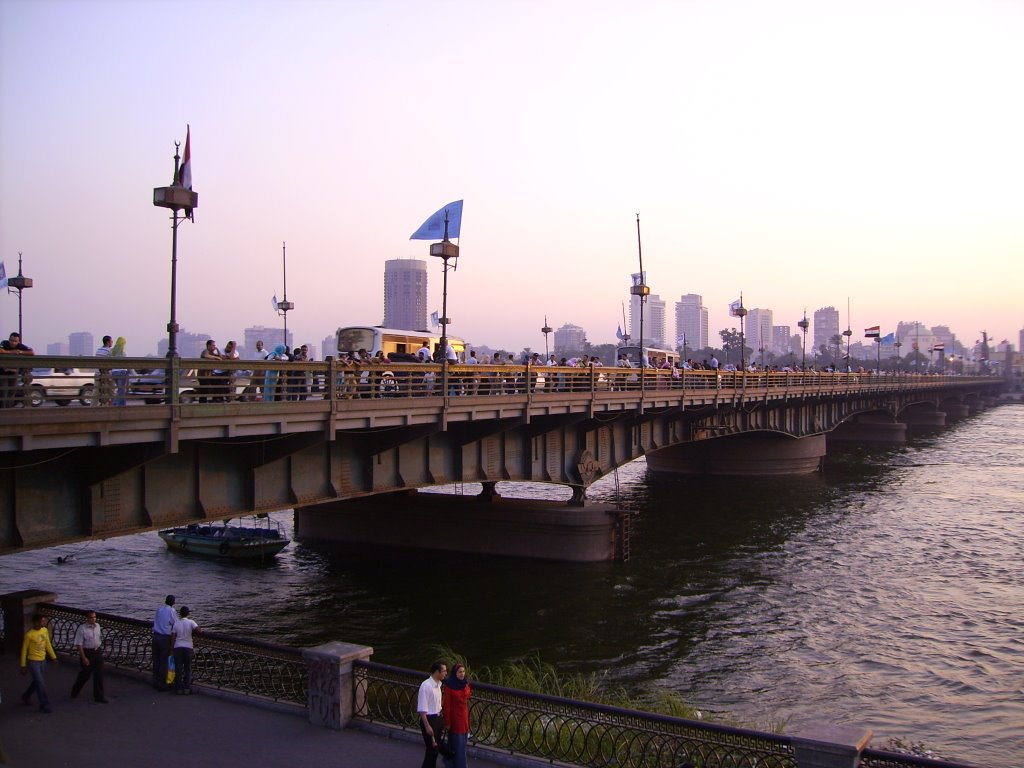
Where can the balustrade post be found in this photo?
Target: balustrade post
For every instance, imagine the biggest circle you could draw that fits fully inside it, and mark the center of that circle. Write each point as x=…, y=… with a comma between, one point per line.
x=824, y=745
x=331, y=383
x=18, y=609
x=332, y=694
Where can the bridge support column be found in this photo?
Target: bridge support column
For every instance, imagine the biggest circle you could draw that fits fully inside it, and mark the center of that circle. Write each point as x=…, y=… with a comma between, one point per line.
x=924, y=418
x=956, y=411
x=869, y=428
x=749, y=454
x=18, y=608
x=538, y=529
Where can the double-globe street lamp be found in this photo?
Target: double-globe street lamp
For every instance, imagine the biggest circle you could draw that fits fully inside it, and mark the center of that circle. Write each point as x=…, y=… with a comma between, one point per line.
x=804, y=325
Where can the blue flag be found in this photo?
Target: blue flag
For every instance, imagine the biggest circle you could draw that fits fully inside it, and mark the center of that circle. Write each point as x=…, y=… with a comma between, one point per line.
x=889, y=338
x=618, y=333
x=433, y=228
x=3, y=275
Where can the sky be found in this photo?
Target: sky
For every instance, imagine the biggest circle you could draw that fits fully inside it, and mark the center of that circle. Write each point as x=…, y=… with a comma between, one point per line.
x=807, y=154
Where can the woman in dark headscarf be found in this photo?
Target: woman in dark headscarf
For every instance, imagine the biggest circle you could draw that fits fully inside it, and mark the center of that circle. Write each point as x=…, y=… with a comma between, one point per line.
x=456, y=714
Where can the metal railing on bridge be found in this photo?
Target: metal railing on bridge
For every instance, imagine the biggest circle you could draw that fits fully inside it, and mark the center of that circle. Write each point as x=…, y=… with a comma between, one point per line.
x=102, y=381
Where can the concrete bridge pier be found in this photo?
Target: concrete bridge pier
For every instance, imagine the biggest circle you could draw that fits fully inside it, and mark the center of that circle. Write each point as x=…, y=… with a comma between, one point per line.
x=956, y=410
x=921, y=417
x=486, y=525
x=870, y=428
x=755, y=453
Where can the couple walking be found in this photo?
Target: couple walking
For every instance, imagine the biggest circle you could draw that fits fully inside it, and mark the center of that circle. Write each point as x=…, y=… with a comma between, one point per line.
x=444, y=715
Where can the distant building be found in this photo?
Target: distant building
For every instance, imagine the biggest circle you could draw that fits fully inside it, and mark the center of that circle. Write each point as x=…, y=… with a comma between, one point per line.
x=782, y=340
x=691, y=322
x=190, y=345
x=570, y=339
x=329, y=346
x=81, y=343
x=405, y=294
x=758, y=330
x=654, y=319
x=270, y=337
x=58, y=348
x=826, y=326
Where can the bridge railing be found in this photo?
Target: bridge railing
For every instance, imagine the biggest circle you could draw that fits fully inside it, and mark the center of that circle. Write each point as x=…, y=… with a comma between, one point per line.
x=104, y=381
x=247, y=667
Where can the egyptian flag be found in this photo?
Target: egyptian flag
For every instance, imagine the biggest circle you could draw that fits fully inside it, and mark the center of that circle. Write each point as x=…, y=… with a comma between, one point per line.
x=872, y=332
x=939, y=347
x=185, y=171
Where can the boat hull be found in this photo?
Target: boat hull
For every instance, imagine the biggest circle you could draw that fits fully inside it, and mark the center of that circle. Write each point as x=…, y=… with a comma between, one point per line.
x=258, y=547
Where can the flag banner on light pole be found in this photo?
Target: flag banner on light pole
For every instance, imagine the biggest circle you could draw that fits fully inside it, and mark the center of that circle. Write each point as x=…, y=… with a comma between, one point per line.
x=3, y=275
x=872, y=333
x=274, y=303
x=889, y=338
x=734, y=307
x=433, y=227
x=940, y=347
x=435, y=320
x=618, y=333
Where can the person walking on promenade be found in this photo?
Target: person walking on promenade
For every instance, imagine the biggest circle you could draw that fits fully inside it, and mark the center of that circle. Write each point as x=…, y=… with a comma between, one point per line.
x=90, y=658
x=455, y=706
x=104, y=381
x=181, y=636
x=163, y=625
x=35, y=648
x=428, y=707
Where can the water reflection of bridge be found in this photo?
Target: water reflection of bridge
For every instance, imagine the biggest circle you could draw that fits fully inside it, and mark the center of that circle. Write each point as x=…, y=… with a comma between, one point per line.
x=83, y=472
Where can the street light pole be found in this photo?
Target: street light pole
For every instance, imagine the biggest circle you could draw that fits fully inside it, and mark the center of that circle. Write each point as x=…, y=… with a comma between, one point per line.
x=177, y=198
x=445, y=250
x=742, y=313
x=284, y=306
x=545, y=330
x=642, y=291
x=19, y=283
x=804, y=325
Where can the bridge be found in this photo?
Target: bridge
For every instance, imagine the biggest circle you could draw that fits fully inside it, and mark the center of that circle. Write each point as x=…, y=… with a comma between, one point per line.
x=130, y=452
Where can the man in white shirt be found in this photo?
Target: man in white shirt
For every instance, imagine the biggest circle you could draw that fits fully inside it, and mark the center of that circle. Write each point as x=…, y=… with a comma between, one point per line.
x=163, y=625
x=423, y=354
x=428, y=707
x=181, y=637
x=90, y=657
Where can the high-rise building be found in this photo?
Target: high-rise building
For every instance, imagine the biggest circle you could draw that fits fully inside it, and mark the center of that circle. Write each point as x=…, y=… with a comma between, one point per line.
x=81, y=343
x=270, y=337
x=654, y=318
x=570, y=339
x=758, y=331
x=58, y=348
x=190, y=345
x=826, y=326
x=405, y=294
x=691, y=322
x=782, y=340
x=329, y=346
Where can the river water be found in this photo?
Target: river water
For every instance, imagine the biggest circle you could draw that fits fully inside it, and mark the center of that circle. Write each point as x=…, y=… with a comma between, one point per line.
x=888, y=592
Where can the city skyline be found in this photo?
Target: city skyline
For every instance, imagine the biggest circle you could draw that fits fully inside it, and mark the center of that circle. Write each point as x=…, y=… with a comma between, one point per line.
x=766, y=152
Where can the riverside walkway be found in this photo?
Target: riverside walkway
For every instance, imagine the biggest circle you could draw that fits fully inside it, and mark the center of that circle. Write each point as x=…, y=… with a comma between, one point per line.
x=142, y=727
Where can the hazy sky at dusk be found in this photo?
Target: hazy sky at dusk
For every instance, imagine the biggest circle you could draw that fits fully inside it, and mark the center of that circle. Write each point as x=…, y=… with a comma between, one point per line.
x=801, y=152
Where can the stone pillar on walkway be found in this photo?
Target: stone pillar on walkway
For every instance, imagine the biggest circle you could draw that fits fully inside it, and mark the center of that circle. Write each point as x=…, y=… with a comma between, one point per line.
x=18, y=608
x=331, y=699
x=824, y=745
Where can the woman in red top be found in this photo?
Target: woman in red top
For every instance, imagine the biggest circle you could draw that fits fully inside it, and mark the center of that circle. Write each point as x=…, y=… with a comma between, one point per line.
x=456, y=714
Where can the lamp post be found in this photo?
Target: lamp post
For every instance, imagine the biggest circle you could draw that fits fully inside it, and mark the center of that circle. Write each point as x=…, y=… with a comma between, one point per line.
x=445, y=250
x=642, y=291
x=804, y=325
x=284, y=306
x=545, y=330
x=878, y=354
x=19, y=283
x=848, y=333
x=178, y=198
x=897, y=344
x=741, y=312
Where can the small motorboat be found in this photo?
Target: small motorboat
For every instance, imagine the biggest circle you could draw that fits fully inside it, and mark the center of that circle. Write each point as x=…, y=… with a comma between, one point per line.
x=261, y=539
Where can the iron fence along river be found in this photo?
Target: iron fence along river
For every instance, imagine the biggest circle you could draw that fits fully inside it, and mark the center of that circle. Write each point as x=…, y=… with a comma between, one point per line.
x=887, y=592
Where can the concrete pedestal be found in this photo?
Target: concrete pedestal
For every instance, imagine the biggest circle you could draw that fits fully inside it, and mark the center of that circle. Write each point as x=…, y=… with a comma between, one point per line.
x=823, y=745
x=749, y=454
x=506, y=527
x=331, y=696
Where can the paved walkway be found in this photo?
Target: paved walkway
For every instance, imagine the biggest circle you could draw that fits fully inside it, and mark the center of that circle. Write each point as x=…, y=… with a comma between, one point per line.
x=141, y=727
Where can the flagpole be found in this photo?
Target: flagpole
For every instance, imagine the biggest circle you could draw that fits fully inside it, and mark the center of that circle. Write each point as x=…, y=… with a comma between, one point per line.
x=284, y=305
x=641, y=291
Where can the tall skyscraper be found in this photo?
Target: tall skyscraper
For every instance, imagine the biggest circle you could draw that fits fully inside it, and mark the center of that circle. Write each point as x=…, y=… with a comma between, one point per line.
x=826, y=325
x=691, y=322
x=569, y=339
x=270, y=337
x=58, y=348
x=81, y=343
x=758, y=331
x=405, y=294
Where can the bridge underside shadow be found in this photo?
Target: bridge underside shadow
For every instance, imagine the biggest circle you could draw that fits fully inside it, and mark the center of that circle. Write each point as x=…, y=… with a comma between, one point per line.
x=56, y=496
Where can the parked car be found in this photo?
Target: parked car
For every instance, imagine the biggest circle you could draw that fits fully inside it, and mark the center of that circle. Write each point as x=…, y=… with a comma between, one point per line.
x=62, y=385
